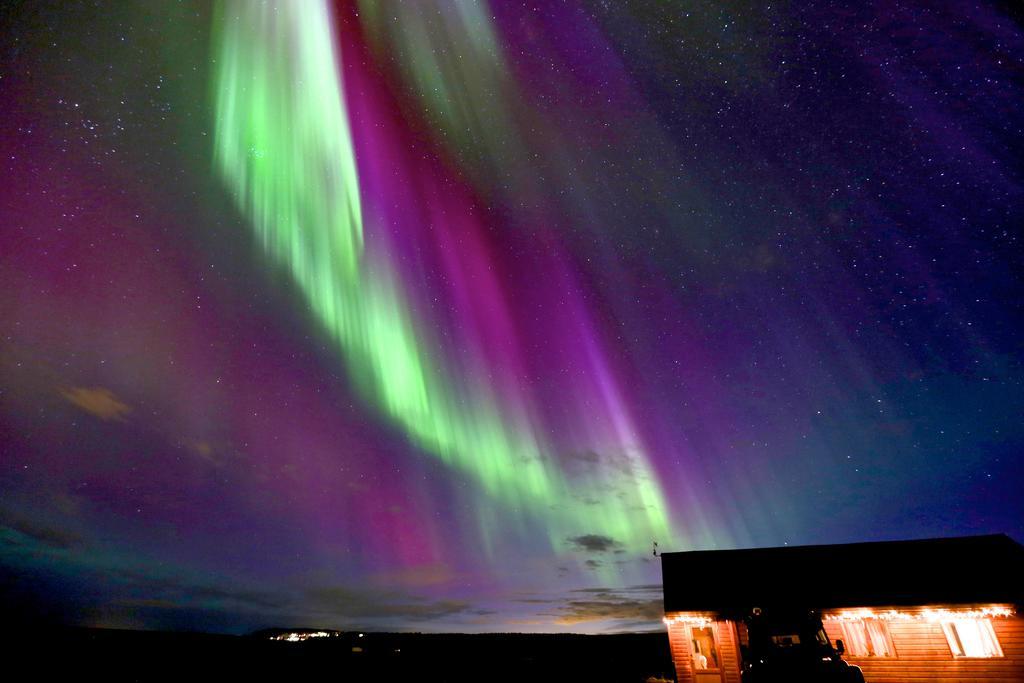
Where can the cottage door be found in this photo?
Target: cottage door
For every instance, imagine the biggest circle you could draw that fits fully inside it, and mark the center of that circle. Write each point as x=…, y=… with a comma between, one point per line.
x=707, y=664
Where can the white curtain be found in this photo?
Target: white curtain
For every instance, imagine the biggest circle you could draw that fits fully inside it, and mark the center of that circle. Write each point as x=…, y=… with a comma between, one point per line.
x=878, y=634
x=867, y=638
x=856, y=638
x=972, y=638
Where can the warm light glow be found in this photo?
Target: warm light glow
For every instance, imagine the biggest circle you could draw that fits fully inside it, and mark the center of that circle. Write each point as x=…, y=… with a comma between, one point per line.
x=299, y=637
x=973, y=638
x=957, y=615
x=928, y=615
x=688, y=618
x=867, y=638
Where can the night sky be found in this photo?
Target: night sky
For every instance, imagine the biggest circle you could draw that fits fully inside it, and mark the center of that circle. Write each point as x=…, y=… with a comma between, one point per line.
x=433, y=315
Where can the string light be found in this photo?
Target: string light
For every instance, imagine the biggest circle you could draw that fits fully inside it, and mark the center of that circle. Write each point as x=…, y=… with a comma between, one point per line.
x=688, y=618
x=927, y=615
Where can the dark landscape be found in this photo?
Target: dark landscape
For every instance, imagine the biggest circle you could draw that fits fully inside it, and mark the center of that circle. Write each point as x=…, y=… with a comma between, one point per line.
x=118, y=655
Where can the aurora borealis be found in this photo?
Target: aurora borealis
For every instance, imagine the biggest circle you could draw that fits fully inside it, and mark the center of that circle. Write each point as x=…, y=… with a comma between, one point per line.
x=434, y=315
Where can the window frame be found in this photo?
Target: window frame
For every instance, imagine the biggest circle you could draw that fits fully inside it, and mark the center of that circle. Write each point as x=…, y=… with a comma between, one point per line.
x=714, y=643
x=846, y=625
x=951, y=632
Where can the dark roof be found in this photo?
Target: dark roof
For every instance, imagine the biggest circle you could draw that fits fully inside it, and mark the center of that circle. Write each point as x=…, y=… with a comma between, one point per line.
x=968, y=570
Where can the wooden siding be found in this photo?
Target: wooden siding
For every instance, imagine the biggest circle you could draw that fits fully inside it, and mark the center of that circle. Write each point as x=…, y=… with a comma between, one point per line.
x=922, y=654
x=682, y=652
x=679, y=646
x=729, y=649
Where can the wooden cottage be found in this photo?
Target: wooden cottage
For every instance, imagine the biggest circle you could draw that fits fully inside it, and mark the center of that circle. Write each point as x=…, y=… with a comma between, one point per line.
x=940, y=610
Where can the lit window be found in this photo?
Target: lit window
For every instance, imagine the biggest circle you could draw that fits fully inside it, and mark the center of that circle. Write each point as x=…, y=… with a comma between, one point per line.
x=972, y=638
x=867, y=638
x=705, y=654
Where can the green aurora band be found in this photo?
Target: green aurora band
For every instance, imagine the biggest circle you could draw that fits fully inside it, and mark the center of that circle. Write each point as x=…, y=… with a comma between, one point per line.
x=284, y=146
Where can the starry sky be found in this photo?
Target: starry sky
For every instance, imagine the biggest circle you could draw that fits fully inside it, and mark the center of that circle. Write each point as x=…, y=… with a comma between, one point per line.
x=434, y=315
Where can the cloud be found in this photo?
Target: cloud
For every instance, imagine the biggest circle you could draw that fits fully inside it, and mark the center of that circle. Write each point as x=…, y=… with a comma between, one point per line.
x=593, y=564
x=585, y=456
x=648, y=588
x=183, y=592
x=212, y=455
x=631, y=607
x=423, y=575
x=39, y=534
x=148, y=602
x=615, y=464
x=594, y=543
x=341, y=601
x=126, y=594
x=601, y=476
x=98, y=402
x=638, y=605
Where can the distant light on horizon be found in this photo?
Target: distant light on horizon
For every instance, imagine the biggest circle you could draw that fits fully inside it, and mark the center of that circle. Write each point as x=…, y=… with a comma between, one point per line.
x=301, y=636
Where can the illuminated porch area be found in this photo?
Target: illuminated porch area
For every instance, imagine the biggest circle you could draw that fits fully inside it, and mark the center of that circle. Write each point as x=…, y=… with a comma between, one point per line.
x=704, y=648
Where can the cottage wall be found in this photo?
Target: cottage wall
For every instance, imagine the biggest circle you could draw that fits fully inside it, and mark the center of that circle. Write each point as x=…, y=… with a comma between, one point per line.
x=923, y=654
